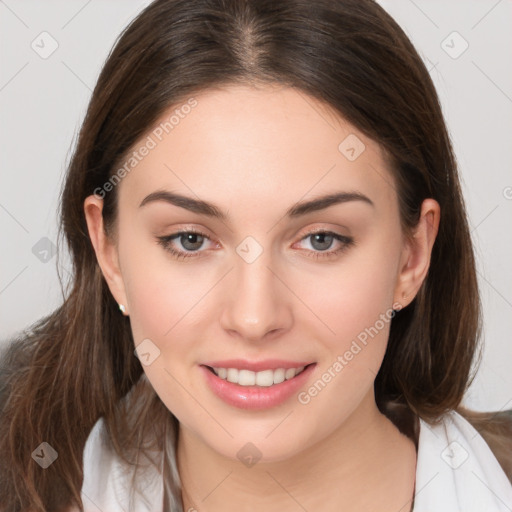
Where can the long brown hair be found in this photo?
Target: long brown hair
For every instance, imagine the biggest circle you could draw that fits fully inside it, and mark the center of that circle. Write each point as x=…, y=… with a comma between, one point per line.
x=78, y=364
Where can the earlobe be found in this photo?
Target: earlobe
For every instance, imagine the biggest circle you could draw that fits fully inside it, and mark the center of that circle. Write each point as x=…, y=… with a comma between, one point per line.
x=105, y=249
x=417, y=252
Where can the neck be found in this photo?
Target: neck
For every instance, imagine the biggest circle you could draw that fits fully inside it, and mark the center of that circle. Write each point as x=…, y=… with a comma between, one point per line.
x=366, y=460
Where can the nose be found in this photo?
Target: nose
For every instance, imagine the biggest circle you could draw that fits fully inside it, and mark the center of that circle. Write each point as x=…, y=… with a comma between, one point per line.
x=259, y=304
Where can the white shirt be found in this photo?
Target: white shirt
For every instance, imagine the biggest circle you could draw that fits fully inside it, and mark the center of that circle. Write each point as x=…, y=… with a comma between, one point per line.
x=456, y=471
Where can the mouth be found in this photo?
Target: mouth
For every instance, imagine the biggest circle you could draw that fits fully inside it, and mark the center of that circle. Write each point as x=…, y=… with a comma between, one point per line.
x=264, y=378
x=256, y=390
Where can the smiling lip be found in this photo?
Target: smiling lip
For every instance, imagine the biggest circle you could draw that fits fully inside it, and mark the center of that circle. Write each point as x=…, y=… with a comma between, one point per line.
x=256, y=397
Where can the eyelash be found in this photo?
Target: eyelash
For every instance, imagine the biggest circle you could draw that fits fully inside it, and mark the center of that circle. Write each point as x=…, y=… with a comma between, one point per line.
x=165, y=242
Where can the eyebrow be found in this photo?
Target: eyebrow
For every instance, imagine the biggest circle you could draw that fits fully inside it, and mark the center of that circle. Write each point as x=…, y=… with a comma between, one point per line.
x=298, y=209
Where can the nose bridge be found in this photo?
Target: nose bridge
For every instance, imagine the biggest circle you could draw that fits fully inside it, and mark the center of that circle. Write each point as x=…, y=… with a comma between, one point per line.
x=258, y=303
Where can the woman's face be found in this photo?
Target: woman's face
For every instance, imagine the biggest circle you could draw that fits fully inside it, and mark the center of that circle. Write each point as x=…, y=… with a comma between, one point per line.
x=256, y=285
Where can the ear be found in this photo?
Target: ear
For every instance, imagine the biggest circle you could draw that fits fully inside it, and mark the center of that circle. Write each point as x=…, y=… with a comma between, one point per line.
x=415, y=259
x=105, y=249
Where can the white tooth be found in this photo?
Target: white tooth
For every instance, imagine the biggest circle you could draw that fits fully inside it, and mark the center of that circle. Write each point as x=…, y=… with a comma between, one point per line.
x=246, y=378
x=232, y=375
x=290, y=372
x=279, y=375
x=265, y=378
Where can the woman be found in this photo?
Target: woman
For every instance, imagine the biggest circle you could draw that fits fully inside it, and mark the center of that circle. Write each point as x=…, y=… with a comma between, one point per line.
x=273, y=280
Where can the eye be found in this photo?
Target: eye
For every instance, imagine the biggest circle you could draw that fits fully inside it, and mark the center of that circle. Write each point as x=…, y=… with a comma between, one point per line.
x=322, y=241
x=191, y=241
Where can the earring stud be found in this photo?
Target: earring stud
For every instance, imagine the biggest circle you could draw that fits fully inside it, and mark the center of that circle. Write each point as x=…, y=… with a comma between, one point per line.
x=122, y=308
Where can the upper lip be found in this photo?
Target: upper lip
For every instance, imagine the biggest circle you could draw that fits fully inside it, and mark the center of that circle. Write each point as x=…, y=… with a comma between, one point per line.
x=256, y=366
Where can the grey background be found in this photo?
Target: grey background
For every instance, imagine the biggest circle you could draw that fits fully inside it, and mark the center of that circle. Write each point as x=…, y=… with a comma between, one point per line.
x=43, y=101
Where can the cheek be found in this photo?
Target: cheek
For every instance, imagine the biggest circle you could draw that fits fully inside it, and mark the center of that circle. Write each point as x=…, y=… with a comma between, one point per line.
x=164, y=299
x=351, y=296
x=355, y=306
x=163, y=294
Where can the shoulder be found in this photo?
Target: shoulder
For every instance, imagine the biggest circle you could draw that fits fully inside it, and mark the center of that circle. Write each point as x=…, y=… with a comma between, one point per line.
x=496, y=429
x=456, y=469
x=109, y=480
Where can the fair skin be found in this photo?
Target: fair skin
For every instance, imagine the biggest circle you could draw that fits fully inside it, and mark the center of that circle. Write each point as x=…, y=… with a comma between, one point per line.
x=254, y=153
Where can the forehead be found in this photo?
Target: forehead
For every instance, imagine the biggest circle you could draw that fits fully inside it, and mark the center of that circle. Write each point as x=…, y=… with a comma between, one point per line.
x=258, y=144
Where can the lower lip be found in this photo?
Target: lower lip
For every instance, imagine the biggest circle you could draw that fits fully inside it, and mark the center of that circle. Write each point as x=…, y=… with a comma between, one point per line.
x=255, y=397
